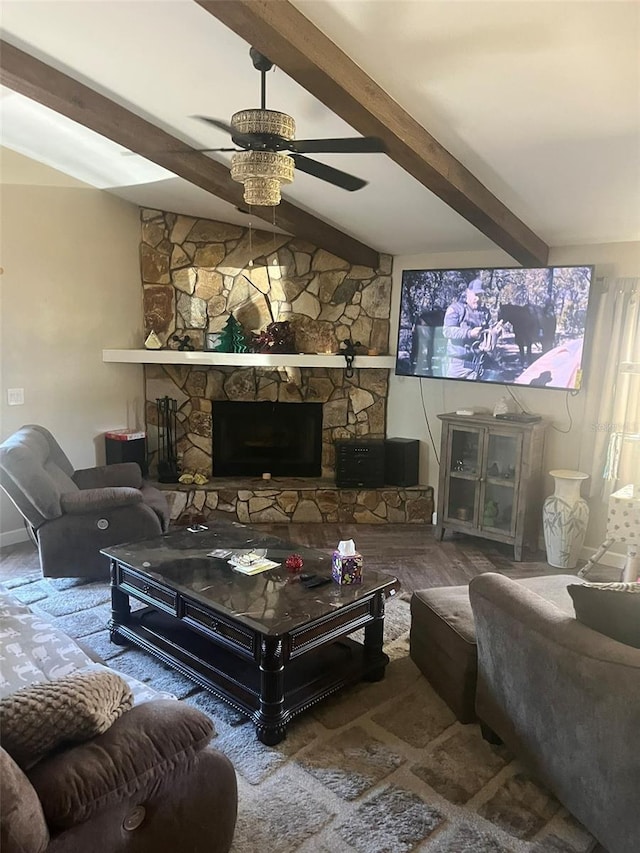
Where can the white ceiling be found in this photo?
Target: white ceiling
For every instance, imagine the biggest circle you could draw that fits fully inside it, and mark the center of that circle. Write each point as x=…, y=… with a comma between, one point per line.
x=540, y=100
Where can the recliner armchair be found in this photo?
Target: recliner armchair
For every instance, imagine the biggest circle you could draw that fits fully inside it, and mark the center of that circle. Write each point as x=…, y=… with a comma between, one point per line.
x=73, y=514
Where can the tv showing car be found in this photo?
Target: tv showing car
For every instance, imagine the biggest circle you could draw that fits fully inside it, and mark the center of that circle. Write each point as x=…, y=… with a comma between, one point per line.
x=512, y=326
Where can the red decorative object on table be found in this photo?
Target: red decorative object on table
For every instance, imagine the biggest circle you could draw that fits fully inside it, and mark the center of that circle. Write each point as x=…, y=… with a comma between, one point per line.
x=294, y=563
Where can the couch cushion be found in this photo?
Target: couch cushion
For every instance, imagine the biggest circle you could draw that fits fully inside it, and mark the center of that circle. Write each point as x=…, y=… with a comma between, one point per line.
x=37, y=719
x=157, y=500
x=144, y=751
x=63, y=482
x=612, y=609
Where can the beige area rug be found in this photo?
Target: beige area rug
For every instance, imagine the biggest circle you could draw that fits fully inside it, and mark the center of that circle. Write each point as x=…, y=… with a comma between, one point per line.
x=379, y=768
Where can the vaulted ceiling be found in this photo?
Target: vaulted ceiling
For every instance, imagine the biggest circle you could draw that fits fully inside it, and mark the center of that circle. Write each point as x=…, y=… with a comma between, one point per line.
x=507, y=123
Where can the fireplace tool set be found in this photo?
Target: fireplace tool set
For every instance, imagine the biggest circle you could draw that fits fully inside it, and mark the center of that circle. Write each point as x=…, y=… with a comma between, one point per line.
x=166, y=409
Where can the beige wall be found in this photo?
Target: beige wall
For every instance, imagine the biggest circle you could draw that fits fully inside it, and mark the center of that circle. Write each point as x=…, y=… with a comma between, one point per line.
x=570, y=449
x=70, y=286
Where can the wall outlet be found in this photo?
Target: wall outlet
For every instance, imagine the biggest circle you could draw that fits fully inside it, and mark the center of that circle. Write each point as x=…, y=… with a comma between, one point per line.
x=15, y=396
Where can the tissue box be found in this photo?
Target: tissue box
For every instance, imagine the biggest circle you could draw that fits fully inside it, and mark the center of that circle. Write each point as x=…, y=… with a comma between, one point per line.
x=346, y=569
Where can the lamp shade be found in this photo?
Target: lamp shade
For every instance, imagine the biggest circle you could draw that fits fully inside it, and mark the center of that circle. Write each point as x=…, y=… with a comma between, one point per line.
x=262, y=173
x=264, y=121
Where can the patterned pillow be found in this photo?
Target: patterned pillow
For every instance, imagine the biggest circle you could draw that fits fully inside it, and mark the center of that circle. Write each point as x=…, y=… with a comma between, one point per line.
x=36, y=719
x=612, y=609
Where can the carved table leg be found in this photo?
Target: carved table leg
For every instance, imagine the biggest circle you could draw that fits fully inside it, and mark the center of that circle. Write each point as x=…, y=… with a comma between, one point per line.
x=120, y=609
x=270, y=727
x=375, y=660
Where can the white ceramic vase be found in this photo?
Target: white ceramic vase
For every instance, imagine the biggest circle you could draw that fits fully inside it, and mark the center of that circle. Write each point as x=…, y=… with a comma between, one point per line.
x=565, y=516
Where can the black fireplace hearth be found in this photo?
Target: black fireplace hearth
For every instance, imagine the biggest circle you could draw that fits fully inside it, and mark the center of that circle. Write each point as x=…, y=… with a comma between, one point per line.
x=254, y=438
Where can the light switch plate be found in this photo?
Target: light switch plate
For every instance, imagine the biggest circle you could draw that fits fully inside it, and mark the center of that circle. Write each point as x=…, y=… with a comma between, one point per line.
x=15, y=396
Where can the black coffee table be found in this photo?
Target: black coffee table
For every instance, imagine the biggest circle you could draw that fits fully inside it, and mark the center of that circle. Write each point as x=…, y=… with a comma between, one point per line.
x=264, y=643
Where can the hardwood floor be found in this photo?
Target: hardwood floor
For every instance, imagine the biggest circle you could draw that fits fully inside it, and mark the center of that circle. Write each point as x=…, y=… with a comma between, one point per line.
x=408, y=551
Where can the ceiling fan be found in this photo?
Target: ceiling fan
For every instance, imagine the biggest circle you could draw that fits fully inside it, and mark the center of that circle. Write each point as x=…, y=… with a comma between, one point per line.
x=263, y=136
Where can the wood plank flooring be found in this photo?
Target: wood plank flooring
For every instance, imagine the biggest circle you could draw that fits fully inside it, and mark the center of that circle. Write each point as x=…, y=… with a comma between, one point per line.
x=408, y=551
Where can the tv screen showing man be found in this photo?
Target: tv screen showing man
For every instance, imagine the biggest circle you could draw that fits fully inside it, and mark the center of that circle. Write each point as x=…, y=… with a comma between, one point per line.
x=508, y=326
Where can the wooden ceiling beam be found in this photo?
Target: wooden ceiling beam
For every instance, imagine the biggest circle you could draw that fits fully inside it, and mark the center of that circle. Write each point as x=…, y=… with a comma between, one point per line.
x=33, y=78
x=277, y=29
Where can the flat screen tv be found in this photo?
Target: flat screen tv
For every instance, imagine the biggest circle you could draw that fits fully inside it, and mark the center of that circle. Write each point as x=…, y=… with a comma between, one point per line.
x=511, y=326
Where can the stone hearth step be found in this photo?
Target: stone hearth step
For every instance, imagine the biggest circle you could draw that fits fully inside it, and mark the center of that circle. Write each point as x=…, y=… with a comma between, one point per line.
x=253, y=500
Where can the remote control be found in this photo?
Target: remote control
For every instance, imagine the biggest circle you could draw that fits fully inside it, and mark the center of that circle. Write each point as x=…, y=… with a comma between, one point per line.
x=315, y=581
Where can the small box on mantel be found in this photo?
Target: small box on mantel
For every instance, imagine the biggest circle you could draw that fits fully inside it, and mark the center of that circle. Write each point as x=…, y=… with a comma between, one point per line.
x=346, y=564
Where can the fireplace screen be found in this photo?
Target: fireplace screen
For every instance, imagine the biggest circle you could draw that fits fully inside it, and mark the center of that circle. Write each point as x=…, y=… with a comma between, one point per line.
x=283, y=439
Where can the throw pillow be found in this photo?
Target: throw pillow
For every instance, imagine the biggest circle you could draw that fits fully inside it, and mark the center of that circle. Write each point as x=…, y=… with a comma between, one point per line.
x=612, y=609
x=36, y=719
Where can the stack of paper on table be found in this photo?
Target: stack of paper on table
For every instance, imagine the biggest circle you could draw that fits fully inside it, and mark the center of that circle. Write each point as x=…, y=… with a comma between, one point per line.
x=250, y=563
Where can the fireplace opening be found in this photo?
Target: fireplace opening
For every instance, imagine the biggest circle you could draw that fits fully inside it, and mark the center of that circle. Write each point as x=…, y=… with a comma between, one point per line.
x=251, y=438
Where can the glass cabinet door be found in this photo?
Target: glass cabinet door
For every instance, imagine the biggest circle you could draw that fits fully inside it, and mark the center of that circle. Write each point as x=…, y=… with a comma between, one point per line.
x=500, y=479
x=464, y=456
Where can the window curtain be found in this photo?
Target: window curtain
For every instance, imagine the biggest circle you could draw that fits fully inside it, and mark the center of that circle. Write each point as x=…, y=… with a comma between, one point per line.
x=613, y=388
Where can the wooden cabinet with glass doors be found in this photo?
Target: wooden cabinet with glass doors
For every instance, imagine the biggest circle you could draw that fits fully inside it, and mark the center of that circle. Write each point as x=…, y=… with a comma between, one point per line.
x=491, y=479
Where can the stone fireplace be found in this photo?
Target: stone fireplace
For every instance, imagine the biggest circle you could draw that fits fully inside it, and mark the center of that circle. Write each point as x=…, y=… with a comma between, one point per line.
x=195, y=274
x=267, y=439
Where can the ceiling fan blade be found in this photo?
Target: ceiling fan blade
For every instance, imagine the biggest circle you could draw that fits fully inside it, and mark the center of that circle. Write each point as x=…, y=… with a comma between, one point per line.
x=242, y=139
x=182, y=151
x=328, y=173
x=351, y=145
x=223, y=125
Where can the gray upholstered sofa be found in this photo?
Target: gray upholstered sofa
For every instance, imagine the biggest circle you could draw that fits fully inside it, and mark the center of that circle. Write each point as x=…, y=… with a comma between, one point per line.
x=74, y=514
x=566, y=700
x=150, y=783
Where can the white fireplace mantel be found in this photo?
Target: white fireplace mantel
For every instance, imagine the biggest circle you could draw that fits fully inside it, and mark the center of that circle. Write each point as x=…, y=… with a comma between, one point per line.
x=242, y=359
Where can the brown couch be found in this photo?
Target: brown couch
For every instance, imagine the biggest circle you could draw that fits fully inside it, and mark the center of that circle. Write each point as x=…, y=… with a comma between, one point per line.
x=149, y=784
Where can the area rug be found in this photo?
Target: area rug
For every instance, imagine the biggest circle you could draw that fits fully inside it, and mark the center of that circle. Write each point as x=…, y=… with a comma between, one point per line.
x=379, y=768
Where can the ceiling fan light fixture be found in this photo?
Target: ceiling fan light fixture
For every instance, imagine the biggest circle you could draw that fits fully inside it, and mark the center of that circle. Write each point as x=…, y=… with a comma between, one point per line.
x=264, y=121
x=262, y=173
x=264, y=135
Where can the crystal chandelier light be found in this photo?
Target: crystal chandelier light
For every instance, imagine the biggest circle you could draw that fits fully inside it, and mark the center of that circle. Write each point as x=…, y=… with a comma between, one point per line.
x=262, y=171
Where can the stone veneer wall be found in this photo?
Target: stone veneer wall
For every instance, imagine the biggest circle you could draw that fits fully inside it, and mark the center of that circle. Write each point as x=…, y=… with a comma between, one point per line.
x=286, y=501
x=194, y=275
